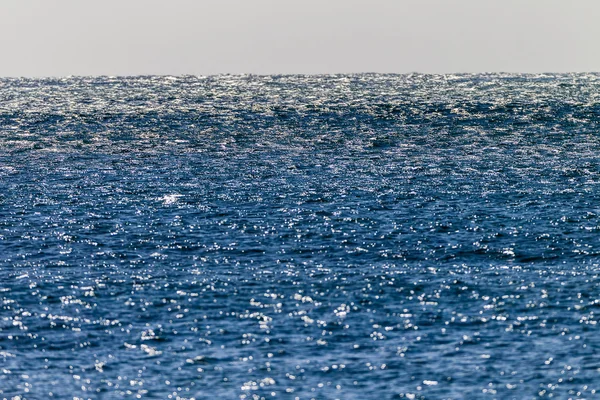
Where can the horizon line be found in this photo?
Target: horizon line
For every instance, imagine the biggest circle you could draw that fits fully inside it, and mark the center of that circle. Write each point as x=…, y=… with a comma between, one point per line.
x=251, y=74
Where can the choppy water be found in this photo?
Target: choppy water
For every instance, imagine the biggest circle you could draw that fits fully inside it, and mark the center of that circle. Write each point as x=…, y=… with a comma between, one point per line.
x=352, y=237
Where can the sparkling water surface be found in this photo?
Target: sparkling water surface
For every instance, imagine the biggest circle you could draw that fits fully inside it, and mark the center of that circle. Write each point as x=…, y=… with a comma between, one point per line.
x=344, y=236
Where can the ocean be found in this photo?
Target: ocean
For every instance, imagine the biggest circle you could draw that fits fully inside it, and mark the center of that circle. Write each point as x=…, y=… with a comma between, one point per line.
x=358, y=236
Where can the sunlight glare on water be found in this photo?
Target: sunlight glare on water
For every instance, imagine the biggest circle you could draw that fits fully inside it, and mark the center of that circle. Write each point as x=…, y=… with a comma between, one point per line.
x=340, y=236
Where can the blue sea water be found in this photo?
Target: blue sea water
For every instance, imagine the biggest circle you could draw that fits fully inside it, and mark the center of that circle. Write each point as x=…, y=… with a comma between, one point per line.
x=314, y=237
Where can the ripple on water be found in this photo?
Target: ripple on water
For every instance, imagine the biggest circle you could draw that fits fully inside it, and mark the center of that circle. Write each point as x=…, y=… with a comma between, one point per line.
x=344, y=236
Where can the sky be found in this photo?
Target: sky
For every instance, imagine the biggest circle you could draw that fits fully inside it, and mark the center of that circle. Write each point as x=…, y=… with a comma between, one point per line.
x=205, y=37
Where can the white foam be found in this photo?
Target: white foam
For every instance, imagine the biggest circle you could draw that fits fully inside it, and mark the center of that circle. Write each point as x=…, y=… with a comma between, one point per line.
x=170, y=198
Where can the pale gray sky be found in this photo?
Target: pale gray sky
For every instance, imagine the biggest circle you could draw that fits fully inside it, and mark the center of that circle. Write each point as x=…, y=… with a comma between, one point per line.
x=201, y=37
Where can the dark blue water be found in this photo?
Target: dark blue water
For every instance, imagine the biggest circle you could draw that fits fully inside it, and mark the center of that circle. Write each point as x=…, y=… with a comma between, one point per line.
x=351, y=237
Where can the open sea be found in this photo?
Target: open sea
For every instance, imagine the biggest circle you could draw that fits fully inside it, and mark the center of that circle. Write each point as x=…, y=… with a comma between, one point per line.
x=300, y=237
